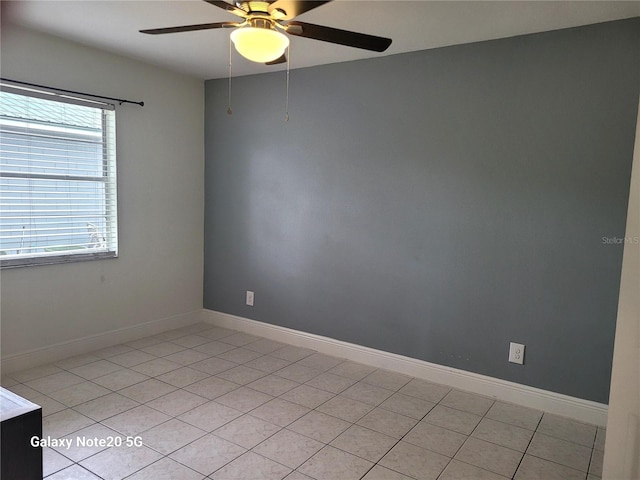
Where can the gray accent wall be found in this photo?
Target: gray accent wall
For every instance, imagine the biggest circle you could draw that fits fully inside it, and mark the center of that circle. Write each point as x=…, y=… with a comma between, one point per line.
x=436, y=204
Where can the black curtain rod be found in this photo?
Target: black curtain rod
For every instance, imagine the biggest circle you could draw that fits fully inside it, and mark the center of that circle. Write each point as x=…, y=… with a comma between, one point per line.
x=119, y=100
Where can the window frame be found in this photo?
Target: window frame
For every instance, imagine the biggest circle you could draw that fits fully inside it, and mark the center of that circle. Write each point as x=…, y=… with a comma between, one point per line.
x=108, y=199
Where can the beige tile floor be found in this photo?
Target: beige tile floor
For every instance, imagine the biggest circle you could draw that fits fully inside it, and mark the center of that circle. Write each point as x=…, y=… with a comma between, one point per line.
x=212, y=403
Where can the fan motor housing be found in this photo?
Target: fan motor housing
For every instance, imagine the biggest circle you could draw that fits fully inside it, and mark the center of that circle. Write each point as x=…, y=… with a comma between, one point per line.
x=261, y=22
x=254, y=7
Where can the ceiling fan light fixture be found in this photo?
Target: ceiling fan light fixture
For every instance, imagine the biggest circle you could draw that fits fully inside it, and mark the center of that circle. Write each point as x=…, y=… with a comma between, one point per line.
x=260, y=45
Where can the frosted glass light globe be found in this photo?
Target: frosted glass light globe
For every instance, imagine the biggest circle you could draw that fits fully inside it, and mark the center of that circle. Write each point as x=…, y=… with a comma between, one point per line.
x=260, y=45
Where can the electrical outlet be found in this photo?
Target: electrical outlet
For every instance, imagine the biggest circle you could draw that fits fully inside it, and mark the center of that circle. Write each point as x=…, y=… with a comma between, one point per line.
x=516, y=353
x=250, y=298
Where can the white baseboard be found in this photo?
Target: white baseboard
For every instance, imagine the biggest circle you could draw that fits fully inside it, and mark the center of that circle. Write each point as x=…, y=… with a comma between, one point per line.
x=78, y=346
x=576, y=408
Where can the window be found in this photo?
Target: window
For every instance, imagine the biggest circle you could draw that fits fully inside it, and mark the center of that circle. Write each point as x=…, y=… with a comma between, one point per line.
x=58, y=199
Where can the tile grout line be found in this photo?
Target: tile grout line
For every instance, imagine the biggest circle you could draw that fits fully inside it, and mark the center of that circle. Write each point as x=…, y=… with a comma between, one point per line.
x=528, y=445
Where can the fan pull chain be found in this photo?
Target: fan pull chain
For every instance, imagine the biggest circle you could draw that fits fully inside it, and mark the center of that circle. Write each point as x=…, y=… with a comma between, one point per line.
x=229, y=111
x=286, y=114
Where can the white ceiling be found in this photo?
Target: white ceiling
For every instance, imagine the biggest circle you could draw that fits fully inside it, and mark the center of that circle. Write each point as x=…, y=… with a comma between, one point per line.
x=413, y=25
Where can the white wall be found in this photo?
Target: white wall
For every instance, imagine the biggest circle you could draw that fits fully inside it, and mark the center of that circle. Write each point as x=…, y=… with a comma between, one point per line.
x=160, y=193
x=622, y=448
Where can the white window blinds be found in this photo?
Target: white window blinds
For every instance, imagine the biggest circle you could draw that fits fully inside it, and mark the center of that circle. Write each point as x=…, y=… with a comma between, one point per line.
x=58, y=200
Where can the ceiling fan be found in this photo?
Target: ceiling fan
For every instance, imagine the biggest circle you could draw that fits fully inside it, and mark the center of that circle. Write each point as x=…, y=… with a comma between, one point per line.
x=258, y=37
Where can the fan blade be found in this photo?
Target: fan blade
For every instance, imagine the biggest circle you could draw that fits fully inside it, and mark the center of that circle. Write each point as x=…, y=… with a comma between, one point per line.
x=189, y=28
x=277, y=61
x=293, y=8
x=228, y=7
x=335, y=35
